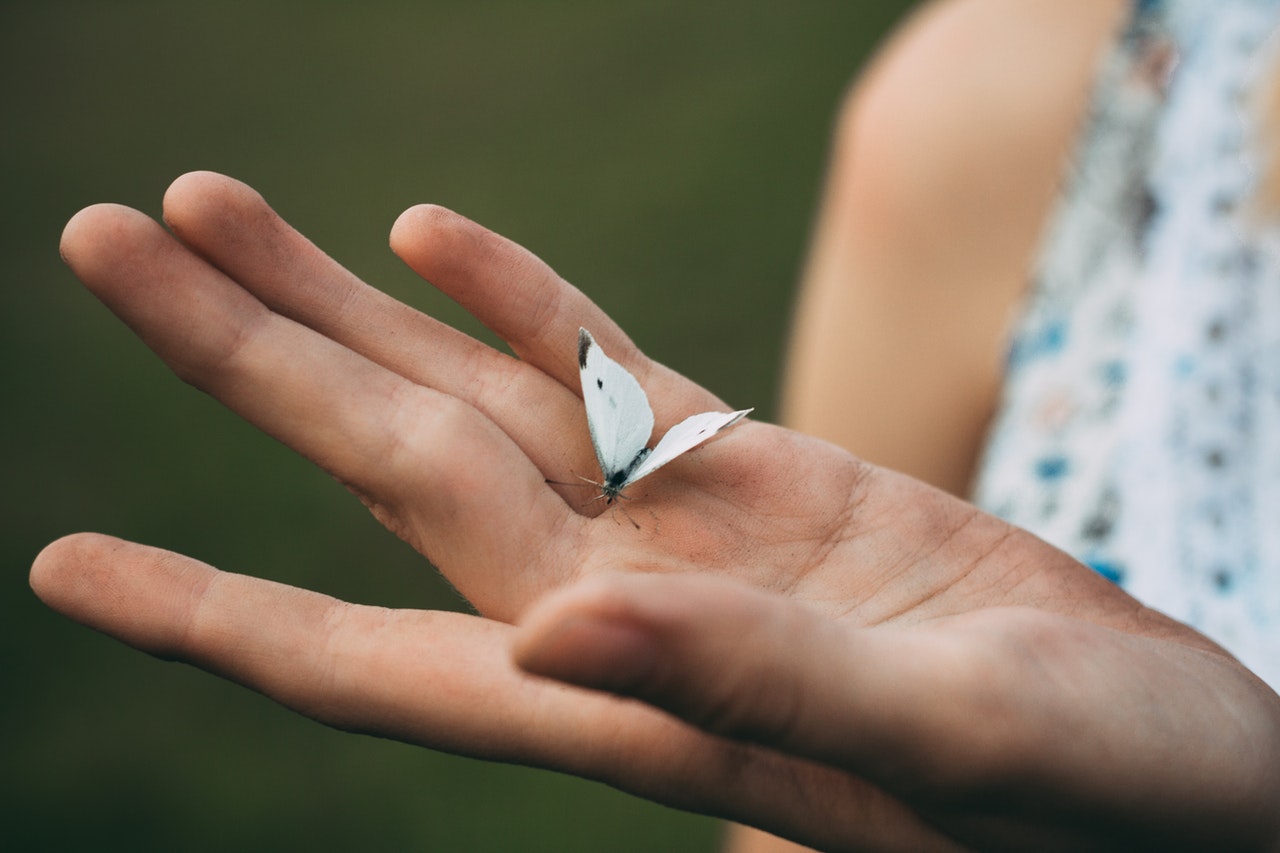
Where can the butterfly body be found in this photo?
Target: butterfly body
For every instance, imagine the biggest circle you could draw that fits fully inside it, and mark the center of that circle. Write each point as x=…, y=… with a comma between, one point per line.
x=621, y=421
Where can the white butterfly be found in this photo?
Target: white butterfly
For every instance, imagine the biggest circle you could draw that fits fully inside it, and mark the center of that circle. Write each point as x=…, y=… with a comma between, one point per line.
x=620, y=421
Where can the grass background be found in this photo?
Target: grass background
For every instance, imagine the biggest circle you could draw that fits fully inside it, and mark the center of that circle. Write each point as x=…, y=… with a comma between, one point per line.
x=664, y=156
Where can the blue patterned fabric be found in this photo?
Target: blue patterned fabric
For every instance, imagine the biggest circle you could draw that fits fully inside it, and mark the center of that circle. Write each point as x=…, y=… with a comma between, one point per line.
x=1140, y=424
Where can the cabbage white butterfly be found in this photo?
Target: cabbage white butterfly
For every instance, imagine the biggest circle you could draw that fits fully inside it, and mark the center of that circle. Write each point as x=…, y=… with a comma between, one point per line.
x=621, y=421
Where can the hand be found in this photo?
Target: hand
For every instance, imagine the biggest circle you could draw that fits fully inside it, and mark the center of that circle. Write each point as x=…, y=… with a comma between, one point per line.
x=862, y=661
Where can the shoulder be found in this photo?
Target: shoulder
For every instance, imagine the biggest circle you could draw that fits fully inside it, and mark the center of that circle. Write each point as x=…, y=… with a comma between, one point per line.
x=977, y=96
x=974, y=67
x=950, y=147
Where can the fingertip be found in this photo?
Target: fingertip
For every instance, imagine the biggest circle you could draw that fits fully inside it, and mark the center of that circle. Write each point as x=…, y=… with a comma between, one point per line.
x=424, y=227
x=195, y=184
x=208, y=199
x=50, y=563
x=199, y=181
x=141, y=595
x=588, y=649
x=610, y=632
x=64, y=569
x=468, y=262
x=97, y=234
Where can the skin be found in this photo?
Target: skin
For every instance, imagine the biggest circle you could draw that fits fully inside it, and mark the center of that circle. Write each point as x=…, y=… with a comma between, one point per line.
x=828, y=650
x=945, y=167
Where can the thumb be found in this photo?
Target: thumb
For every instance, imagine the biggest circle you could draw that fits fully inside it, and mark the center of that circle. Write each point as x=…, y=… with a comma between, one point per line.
x=741, y=663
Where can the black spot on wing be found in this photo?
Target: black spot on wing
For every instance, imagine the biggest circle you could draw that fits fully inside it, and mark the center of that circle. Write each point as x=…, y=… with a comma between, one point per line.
x=600, y=385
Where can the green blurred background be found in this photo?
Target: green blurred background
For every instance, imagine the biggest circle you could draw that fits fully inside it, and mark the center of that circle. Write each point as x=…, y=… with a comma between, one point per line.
x=664, y=156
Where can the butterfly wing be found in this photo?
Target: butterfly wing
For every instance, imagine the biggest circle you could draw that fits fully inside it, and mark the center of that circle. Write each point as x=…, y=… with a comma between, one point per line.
x=618, y=412
x=684, y=436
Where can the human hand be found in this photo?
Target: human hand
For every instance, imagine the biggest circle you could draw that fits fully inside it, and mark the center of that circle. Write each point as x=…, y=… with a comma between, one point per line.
x=893, y=669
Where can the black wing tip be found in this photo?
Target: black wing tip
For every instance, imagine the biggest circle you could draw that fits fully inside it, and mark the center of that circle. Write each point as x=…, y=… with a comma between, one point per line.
x=584, y=344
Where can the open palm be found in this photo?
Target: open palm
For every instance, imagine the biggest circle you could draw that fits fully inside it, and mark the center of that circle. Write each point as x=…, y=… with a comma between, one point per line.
x=826, y=650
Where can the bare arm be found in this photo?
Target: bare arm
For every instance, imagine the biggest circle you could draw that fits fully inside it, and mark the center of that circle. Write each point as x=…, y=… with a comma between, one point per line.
x=946, y=161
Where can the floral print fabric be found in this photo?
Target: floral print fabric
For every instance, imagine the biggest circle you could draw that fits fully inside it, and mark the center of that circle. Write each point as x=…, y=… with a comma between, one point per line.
x=1140, y=425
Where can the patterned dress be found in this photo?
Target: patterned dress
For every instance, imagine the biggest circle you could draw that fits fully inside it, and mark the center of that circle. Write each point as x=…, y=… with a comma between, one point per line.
x=1140, y=424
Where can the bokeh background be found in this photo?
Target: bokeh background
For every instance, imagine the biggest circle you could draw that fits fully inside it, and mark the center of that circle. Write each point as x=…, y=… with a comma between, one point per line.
x=664, y=155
